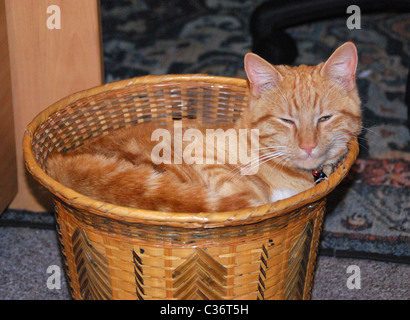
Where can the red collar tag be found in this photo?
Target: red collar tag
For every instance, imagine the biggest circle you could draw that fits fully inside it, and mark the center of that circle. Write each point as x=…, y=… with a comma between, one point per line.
x=319, y=176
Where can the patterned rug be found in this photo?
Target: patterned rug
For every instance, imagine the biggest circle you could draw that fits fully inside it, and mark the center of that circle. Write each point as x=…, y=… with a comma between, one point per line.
x=368, y=214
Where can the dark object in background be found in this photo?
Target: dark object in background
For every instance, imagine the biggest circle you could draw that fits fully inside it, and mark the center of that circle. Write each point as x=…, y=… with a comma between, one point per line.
x=269, y=21
x=407, y=98
x=277, y=47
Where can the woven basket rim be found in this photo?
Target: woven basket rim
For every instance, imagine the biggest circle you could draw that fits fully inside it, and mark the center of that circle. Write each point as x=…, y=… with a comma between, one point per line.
x=185, y=220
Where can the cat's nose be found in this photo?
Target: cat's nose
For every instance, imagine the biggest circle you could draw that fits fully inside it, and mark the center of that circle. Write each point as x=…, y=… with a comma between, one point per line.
x=308, y=147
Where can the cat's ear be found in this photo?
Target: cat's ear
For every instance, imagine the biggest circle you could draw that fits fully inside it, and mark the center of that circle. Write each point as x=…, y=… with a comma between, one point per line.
x=341, y=66
x=261, y=74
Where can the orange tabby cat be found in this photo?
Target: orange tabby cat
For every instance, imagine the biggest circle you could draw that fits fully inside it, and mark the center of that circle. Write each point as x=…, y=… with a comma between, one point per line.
x=304, y=115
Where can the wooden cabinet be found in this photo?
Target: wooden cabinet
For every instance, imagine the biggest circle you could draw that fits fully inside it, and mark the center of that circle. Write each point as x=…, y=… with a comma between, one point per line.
x=46, y=64
x=8, y=169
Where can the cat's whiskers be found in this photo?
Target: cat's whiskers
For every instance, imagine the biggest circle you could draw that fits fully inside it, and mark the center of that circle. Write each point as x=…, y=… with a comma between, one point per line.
x=376, y=137
x=262, y=156
x=372, y=143
x=272, y=147
x=340, y=143
x=283, y=162
x=259, y=156
x=341, y=140
x=254, y=164
x=371, y=131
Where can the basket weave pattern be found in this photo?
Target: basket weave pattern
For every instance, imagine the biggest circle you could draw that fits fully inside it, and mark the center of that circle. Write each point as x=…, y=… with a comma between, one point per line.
x=114, y=252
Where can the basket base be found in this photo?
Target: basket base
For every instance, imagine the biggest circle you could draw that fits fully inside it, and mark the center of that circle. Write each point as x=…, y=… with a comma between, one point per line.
x=277, y=264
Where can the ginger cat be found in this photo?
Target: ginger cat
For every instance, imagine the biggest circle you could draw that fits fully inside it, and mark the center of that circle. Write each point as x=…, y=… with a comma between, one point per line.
x=304, y=117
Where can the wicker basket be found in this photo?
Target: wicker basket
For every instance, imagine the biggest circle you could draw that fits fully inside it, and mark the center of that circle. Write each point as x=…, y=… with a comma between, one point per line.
x=114, y=252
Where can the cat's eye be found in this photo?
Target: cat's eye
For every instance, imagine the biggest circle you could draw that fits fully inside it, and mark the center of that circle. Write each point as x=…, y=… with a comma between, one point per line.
x=287, y=121
x=325, y=118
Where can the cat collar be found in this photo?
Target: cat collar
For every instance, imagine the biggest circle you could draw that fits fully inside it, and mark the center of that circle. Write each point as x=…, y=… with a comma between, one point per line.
x=319, y=176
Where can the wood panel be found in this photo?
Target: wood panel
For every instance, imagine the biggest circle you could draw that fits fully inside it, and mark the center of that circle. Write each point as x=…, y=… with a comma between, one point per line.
x=47, y=65
x=8, y=170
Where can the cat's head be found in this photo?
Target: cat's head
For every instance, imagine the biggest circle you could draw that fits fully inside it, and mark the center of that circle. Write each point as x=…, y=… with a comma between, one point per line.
x=306, y=114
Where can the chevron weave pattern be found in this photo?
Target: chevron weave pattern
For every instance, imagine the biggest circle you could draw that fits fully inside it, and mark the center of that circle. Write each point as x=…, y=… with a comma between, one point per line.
x=92, y=268
x=200, y=278
x=297, y=265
